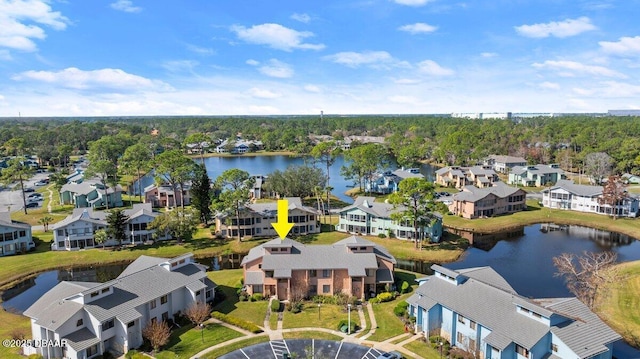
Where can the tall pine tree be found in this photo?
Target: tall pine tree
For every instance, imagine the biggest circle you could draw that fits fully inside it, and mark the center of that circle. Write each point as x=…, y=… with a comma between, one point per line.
x=201, y=193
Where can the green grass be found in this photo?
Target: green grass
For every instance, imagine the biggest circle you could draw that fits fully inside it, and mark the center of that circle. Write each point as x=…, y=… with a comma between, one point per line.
x=389, y=325
x=13, y=325
x=309, y=334
x=186, y=341
x=273, y=321
x=228, y=281
x=235, y=346
x=330, y=316
x=423, y=349
x=618, y=303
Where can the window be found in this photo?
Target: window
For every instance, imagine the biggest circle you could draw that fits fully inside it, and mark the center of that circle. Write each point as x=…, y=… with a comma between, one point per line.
x=108, y=325
x=163, y=299
x=326, y=289
x=522, y=351
x=326, y=273
x=152, y=304
x=554, y=348
x=131, y=324
x=313, y=273
x=92, y=350
x=94, y=294
x=472, y=345
x=313, y=289
x=104, y=290
x=459, y=338
x=198, y=293
x=460, y=319
x=472, y=324
x=79, y=323
x=165, y=316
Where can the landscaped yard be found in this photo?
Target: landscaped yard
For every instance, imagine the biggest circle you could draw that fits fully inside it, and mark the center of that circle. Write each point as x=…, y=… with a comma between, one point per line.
x=389, y=325
x=228, y=281
x=423, y=349
x=235, y=346
x=330, y=316
x=186, y=341
x=311, y=335
x=13, y=326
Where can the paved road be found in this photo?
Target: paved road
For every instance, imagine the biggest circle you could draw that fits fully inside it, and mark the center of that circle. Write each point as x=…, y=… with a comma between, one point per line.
x=11, y=200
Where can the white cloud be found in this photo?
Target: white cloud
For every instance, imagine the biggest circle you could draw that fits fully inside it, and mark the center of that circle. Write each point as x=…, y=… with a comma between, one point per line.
x=200, y=50
x=582, y=91
x=301, y=17
x=180, y=65
x=276, y=68
x=418, y=28
x=566, y=28
x=412, y=2
x=570, y=68
x=252, y=62
x=488, y=55
x=17, y=20
x=261, y=93
x=263, y=110
x=5, y=55
x=432, y=68
x=357, y=59
x=407, y=81
x=312, y=88
x=549, y=85
x=404, y=99
x=74, y=78
x=624, y=46
x=276, y=36
x=126, y=6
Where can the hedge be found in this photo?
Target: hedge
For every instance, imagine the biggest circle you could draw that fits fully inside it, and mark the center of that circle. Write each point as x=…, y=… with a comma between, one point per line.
x=275, y=306
x=240, y=323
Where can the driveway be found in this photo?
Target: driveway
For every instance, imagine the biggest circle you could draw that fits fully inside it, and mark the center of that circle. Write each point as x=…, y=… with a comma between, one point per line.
x=11, y=198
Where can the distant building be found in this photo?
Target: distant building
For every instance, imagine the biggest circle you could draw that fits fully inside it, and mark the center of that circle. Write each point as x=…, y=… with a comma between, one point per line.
x=388, y=182
x=535, y=175
x=15, y=237
x=582, y=198
x=458, y=177
x=345, y=144
x=482, y=115
x=91, y=193
x=239, y=146
x=474, y=202
x=624, y=112
x=504, y=164
x=164, y=195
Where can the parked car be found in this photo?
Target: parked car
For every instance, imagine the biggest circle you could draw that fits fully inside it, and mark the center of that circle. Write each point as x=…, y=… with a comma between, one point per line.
x=390, y=355
x=31, y=246
x=33, y=205
x=39, y=183
x=34, y=194
x=29, y=189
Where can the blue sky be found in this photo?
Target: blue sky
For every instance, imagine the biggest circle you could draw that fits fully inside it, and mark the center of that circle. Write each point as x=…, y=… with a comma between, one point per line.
x=224, y=57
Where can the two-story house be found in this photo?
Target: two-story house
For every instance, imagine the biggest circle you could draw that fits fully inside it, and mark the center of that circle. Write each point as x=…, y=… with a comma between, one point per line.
x=165, y=196
x=476, y=310
x=285, y=268
x=367, y=217
x=256, y=220
x=458, y=177
x=504, y=164
x=91, y=193
x=535, y=175
x=583, y=198
x=15, y=237
x=77, y=230
x=95, y=318
x=388, y=182
x=474, y=202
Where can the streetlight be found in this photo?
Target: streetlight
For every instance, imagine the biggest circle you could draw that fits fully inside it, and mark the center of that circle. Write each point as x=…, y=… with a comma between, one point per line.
x=440, y=344
x=318, y=311
x=202, y=331
x=349, y=310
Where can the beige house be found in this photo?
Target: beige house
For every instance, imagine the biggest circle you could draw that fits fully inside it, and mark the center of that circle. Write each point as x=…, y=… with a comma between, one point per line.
x=256, y=220
x=284, y=268
x=474, y=202
x=165, y=196
x=458, y=177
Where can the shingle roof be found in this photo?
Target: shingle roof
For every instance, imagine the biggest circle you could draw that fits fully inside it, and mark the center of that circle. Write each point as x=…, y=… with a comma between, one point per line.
x=579, y=189
x=5, y=220
x=474, y=194
x=254, y=277
x=537, y=169
x=368, y=205
x=507, y=159
x=50, y=309
x=81, y=339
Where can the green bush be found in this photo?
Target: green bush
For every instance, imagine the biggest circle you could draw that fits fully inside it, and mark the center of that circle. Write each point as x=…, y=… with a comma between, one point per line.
x=374, y=300
x=134, y=354
x=257, y=297
x=275, y=306
x=404, y=288
x=401, y=309
x=382, y=235
x=295, y=307
x=35, y=356
x=385, y=297
x=345, y=323
x=238, y=322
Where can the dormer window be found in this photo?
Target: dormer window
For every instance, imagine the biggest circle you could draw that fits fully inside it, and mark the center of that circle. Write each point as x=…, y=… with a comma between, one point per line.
x=105, y=290
x=95, y=294
x=79, y=323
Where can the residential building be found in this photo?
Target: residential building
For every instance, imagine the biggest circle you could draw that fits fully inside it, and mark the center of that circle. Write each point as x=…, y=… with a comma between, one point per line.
x=258, y=184
x=458, y=177
x=77, y=231
x=476, y=309
x=91, y=193
x=15, y=237
x=474, y=202
x=583, y=198
x=536, y=175
x=284, y=268
x=630, y=178
x=95, y=318
x=239, y=146
x=165, y=196
x=256, y=220
x=388, y=182
x=504, y=164
x=367, y=217
x=346, y=143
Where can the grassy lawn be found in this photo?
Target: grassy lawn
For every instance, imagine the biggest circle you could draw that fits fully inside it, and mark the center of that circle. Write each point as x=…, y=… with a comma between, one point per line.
x=186, y=341
x=273, y=321
x=389, y=325
x=621, y=307
x=423, y=349
x=537, y=214
x=330, y=316
x=235, y=346
x=13, y=325
x=228, y=281
x=312, y=335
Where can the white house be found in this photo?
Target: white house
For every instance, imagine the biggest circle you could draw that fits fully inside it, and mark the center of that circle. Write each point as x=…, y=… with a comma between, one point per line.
x=504, y=164
x=15, y=237
x=89, y=318
x=78, y=229
x=583, y=198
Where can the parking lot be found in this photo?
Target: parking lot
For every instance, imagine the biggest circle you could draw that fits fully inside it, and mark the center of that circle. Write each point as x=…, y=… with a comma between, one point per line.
x=302, y=348
x=11, y=198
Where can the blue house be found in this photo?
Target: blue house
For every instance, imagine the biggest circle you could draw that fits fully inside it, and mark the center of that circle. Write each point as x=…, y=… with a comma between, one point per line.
x=476, y=310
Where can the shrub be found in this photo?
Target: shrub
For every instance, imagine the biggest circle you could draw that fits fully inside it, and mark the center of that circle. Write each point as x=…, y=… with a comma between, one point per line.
x=404, y=288
x=238, y=322
x=275, y=306
x=385, y=297
x=35, y=356
x=257, y=297
x=243, y=298
x=345, y=323
x=295, y=307
x=401, y=309
x=382, y=235
x=374, y=300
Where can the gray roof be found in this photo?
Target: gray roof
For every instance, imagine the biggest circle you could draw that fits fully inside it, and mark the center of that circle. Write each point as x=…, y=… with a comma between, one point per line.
x=87, y=186
x=5, y=220
x=196, y=286
x=81, y=339
x=473, y=193
x=407, y=173
x=507, y=159
x=129, y=316
x=368, y=205
x=49, y=310
x=141, y=263
x=483, y=296
x=100, y=217
x=537, y=169
x=254, y=277
x=384, y=275
x=578, y=189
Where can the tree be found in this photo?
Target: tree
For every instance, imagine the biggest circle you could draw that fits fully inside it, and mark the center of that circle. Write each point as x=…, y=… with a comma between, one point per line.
x=106, y=171
x=64, y=151
x=176, y=169
x=116, y=225
x=414, y=198
x=199, y=140
x=179, y=223
x=17, y=170
x=295, y=181
x=586, y=275
x=235, y=185
x=137, y=158
x=100, y=237
x=598, y=166
x=157, y=333
x=366, y=160
x=614, y=193
x=326, y=153
x=198, y=313
x=201, y=194
x=45, y=221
